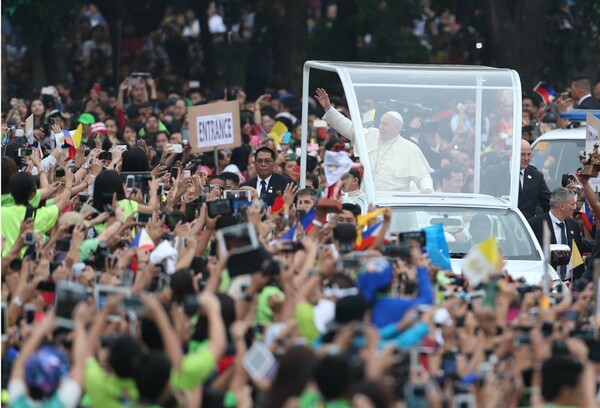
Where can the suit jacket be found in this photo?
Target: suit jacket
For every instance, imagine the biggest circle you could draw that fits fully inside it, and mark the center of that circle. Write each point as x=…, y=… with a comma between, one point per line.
x=589, y=103
x=534, y=191
x=572, y=231
x=275, y=188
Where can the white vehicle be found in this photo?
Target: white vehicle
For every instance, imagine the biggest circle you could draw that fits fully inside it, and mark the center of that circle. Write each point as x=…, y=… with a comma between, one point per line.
x=490, y=102
x=557, y=152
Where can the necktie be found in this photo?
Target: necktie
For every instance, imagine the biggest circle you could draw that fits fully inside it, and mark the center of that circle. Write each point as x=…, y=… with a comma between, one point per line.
x=562, y=270
x=263, y=188
x=521, y=179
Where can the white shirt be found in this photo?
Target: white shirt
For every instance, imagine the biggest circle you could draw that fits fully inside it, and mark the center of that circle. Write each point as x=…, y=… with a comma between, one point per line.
x=521, y=177
x=357, y=197
x=258, y=184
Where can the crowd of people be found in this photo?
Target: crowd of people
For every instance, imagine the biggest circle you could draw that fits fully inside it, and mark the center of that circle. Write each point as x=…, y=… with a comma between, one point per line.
x=175, y=310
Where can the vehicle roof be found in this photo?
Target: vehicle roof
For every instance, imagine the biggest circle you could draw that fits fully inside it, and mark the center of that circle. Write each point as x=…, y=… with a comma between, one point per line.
x=577, y=133
x=416, y=67
x=392, y=199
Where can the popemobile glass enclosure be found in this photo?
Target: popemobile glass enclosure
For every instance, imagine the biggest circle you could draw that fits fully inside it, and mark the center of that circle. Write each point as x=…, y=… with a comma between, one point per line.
x=468, y=116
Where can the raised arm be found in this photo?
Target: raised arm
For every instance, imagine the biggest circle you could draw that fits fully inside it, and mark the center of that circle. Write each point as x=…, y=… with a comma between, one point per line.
x=335, y=119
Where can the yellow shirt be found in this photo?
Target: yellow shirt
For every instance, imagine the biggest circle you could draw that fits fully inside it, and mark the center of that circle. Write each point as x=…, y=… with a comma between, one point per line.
x=12, y=217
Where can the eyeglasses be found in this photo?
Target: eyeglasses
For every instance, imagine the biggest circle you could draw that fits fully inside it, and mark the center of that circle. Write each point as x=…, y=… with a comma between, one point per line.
x=264, y=161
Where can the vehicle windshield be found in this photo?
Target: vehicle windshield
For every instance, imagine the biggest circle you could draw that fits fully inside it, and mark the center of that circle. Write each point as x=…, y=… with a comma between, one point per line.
x=464, y=228
x=555, y=158
x=456, y=125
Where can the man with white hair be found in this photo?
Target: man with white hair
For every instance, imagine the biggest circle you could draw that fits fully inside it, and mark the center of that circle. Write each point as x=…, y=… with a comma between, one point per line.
x=394, y=161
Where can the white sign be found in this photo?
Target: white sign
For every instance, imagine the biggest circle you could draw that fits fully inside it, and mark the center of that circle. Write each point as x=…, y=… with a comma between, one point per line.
x=214, y=130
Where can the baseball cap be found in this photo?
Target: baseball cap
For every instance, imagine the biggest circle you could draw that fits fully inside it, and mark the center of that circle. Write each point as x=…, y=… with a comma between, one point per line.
x=45, y=369
x=86, y=119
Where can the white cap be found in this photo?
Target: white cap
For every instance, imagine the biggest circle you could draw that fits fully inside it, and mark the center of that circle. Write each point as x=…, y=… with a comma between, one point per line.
x=396, y=116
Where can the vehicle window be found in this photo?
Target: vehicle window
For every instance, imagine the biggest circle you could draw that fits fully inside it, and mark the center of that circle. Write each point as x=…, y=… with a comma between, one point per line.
x=555, y=158
x=465, y=228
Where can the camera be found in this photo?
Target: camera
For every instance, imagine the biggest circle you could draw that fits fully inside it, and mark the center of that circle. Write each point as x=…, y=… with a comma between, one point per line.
x=401, y=251
x=566, y=179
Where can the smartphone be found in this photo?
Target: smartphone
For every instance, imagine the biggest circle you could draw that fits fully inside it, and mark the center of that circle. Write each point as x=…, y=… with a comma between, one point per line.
x=46, y=286
x=83, y=198
x=491, y=290
x=190, y=305
x=103, y=292
x=185, y=135
x=52, y=121
x=174, y=148
x=259, y=361
x=29, y=239
x=62, y=245
x=4, y=322
x=164, y=281
x=127, y=278
x=23, y=152
x=449, y=363
x=133, y=303
x=418, y=236
x=237, y=239
x=219, y=207
x=186, y=174
x=522, y=340
x=60, y=172
x=105, y=156
x=160, y=189
x=68, y=295
x=29, y=310
x=130, y=183
x=144, y=217
x=244, y=195
x=174, y=172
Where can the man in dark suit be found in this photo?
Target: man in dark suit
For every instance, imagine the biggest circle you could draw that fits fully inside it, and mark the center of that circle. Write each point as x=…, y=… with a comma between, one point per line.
x=532, y=187
x=268, y=184
x=581, y=92
x=563, y=229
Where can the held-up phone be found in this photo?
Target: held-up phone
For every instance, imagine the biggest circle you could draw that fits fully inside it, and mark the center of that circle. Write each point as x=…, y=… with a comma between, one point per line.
x=190, y=305
x=29, y=239
x=23, y=152
x=62, y=245
x=83, y=198
x=4, y=322
x=174, y=172
x=419, y=236
x=46, y=286
x=219, y=207
x=185, y=135
x=29, y=310
x=566, y=179
x=237, y=239
x=130, y=183
x=244, y=195
x=68, y=295
x=144, y=217
x=174, y=148
x=133, y=303
x=103, y=292
x=52, y=121
x=160, y=189
x=105, y=156
x=259, y=361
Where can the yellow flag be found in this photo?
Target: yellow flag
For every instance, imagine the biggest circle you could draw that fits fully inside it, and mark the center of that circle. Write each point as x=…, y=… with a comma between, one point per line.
x=363, y=220
x=576, y=258
x=277, y=132
x=489, y=249
x=77, y=136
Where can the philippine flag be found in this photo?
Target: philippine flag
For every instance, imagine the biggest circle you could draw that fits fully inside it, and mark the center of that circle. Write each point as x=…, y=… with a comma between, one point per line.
x=142, y=240
x=368, y=236
x=306, y=223
x=587, y=215
x=546, y=92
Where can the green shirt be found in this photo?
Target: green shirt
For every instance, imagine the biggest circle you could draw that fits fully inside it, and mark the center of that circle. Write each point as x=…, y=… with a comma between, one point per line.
x=13, y=216
x=7, y=199
x=305, y=321
x=105, y=390
x=312, y=399
x=195, y=369
x=129, y=207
